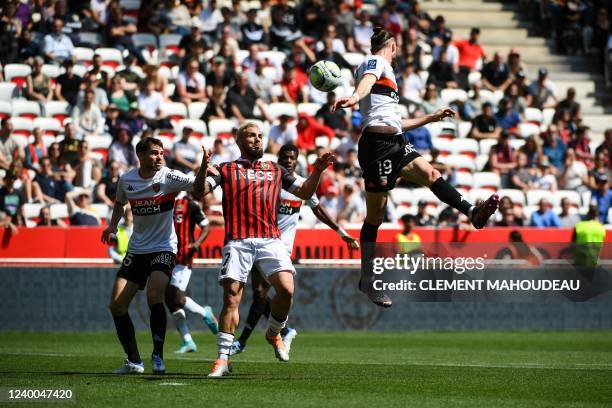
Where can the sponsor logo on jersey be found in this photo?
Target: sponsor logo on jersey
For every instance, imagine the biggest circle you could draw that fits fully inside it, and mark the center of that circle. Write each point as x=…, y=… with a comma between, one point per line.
x=176, y=177
x=372, y=64
x=252, y=174
x=152, y=205
x=155, y=187
x=288, y=207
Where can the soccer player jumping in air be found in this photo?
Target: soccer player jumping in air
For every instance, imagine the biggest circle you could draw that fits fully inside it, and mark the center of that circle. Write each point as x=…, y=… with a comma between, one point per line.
x=288, y=218
x=150, y=189
x=251, y=196
x=384, y=154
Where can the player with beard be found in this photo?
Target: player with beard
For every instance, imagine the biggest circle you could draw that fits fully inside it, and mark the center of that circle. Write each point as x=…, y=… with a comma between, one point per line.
x=288, y=218
x=251, y=196
x=385, y=155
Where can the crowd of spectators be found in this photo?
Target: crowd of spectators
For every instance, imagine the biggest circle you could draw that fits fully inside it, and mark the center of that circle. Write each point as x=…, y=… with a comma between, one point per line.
x=240, y=61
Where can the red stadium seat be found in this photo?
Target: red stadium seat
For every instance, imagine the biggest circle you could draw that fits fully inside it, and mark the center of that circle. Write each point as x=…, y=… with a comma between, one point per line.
x=17, y=74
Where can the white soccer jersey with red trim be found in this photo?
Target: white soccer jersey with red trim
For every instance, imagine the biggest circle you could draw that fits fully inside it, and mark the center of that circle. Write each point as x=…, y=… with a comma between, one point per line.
x=152, y=203
x=289, y=214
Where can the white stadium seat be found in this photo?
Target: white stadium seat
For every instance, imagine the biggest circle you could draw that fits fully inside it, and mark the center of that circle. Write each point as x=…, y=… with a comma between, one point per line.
x=464, y=180
x=533, y=115
x=354, y=58
x=59, y=110
x=468, y=147
x=49, y=126
x=220, y=126
x=83, y=56
x=517, y=196
x=276, y=109
x=445, y=146
x=487, y=180
x=528, y=129
x=52, y=71
x=22, y=126
x=17, y=74
x=198, y=126
x=6, y=109
x=8, y=91
x=196, y=109
x=486, y=145
x=461, y=163
x=26, y=109
x=308, y=108
x=58, y=211
x=476, y=194
x=573, y=196
x=174, y=111
x=534, y=196
x=274, y=57
x=450, y=95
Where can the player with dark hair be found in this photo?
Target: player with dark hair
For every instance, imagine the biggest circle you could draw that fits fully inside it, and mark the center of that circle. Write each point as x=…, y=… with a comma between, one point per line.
x=288, y=218
x=385, y=155
x=187, y=214
x=150, y=189
x=251, y=196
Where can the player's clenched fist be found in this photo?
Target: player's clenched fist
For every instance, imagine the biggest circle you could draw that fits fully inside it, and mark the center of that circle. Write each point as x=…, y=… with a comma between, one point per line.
x=322, y=162
x=107, y=235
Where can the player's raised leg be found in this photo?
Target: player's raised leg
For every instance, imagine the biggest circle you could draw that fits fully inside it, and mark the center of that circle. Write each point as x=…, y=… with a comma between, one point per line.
x=279, y=310
x=123, y=293
x=228, y=321
x=421, y=172
x=175, y=300
x=158, y=281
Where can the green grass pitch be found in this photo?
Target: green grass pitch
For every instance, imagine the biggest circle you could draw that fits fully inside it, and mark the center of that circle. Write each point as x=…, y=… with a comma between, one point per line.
x=356, y=369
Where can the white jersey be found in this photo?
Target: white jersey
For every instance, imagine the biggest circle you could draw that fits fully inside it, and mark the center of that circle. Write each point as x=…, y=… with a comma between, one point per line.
x=152, y=203
x=379, y=107
x=289, y=214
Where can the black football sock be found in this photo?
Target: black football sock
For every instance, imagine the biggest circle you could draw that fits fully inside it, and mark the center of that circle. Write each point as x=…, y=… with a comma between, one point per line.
x=257, y=309
x=449, y=195
x=367, y=240
x=158, y=327
x=127, y=337
x=284, y=331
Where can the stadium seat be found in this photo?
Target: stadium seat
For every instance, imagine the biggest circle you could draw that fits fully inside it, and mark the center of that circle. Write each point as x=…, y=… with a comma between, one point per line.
x=196, y=109
x=52, y=71
x=464, y=129
x=31, y=210
x=547, y=116
x=26, y=109
x=174, y=111
x=99, y=143
x=586, y=198
x=467, y=147
x=481, y=162
x=83, y=56
x=6, y=109
x=168, y=43
x=48, y=140
x=241, y=56
x=487, y=180
x=80, y=70
x=461, y=163
x=274, y=57
x=58, y=211
x=426, y=61
x=425, y=194
x=309, y=108
x=401, y=196
x=91, y=39
x=497, y=96
x=59, y=110
x=221, y=128
x=8, y=91
x=443, y=129
x=22, y=126
x=476, y=194
x=533, y=115
x=49, y=126
x=145, y=40
x=534, y=196
x=528, y=129
x=474, y=77
x=110, y=71
x=485, y=95
x=102, y=210
x=444, y=145
x=516, y=144
x=322, y=141
x=486, y=144
x=270, y=73
x=451, y=95
x=354, y=58
x=517, y=196
x=198, y=126
x=573, y=196
x=464, y=180
x=527, y=211
x=17, y=73
x=276, y=109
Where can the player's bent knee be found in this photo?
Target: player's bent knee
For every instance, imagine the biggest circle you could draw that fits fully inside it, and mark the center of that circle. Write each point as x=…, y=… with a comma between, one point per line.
x=117, y=309
x=434, y=175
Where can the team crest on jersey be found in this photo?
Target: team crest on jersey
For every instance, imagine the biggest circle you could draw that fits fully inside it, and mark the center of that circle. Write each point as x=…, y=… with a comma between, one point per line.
x=372, y=64
x=155, y=187
x=409, y=148
x=265, y=166
x=382, y=180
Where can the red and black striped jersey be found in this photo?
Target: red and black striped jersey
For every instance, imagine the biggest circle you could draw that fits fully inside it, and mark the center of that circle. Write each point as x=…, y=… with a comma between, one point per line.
x=187, y=214
x=251, y=196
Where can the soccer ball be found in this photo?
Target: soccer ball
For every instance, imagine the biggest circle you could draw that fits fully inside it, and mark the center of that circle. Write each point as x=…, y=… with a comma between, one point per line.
x=325, y=76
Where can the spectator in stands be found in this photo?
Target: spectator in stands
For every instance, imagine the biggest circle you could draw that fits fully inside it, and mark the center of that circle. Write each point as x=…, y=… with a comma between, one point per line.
x=210, y=18
x=508, y=219
x=309, y=129
x=502, y=159
x=215, y=109
x=567, y=218
x=602, y=198
x=544, y=217
x=10, y=31
x=134, y=120
x=553, y=147
x=153, y=73
x=228, y=52
x=496, y=75
x=337, y=120
x=218, y=75
x=49, y=187
x=515, y=66
x=242, y=99
x=411, y=85
x=191, y=84
x=69, y=146
x=119, y=32
x=262, y=85
x=472, y=107
x=600, y=169
x=122, y=151
x=107, y=187
x=11, y=201
x=575, y=175
x=543, y=91
x=189, y=42
x=130, y=78
x=35, y=151
x=422, y=218
x=449, y=217
x=220, y=154
x=113, y=120
x=150, y=105
x=28, y=48
x=92, y=84
x=45, y=219
x=227, y=27
x=97, y=71
x=506, y=204
x=532, y=150
x=24, y=180
x=329, y=201
x=507, y=117
x=328, y=53
x=80, y=208
x=294, y=83
x=470, y=52
x=606, y=145
x=252, y=32
x=546, y=177
x=431, y=100
x=58, y=46
x=350, y=206
x=597, y=36
x=87, y=116
x=485, y=125
x=186, y=153
x=441, y=73
x=68, y=84
x=517, y=101
x=9, y=148
x=419, y=138
x=362, y=31
x=283, y=30
x=282, y=133
x=88, y=171
x=61, y=169
x=38, y=86
x=118, y=98
x=411, y=49
x=570, y=104
x=524, y=176
x=581, y=144
x=452, y=53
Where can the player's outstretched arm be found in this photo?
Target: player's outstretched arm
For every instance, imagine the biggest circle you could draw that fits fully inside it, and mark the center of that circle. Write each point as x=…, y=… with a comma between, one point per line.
x=200, y=187
x=324, y=217
x=363, y=89
x=111, y=229
x=308, y=188
x=409, y=124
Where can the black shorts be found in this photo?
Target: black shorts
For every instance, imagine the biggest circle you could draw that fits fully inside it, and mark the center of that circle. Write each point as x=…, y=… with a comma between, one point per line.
x=137, y=267
x=382, y=157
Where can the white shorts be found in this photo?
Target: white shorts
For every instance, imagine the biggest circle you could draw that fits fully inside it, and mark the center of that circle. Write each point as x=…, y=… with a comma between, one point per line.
x=267, y=254
x=180, y=277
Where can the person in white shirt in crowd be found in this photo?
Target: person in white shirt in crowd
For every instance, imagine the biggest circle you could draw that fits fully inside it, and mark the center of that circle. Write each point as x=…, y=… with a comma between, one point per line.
x=330, y=201
x=186, y=154
x=546, y=178
x=191, y=84
x=567, y=216
x=575, y=175
x=87, y=116
x=149, y=104
x=337, y=43
x=210, y=18
x=412, y=85
x=261, y=84
x=452, y=52
x=282, y=133
x=122, y=151
x=220, y=154
x=362, y=32
x=350, y=205
x=58, y=46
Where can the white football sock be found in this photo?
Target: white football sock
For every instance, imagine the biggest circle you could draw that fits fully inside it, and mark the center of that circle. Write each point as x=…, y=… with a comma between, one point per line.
x=224, y=342
x=181, y=324
x=193, y=307
x=275, y=326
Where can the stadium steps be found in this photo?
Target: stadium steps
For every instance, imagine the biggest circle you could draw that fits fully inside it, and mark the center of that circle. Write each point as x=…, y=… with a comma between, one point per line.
x=504, y=27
